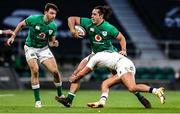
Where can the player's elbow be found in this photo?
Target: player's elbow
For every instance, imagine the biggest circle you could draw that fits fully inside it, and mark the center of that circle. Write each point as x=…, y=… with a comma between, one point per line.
x=70, y=19
x=22, y=24
x=74, y=19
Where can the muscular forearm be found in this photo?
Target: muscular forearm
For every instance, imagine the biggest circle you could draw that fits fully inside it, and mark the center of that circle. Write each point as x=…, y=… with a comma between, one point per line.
x=80, y=74
x=19, y=27
x=123, y=43
x=71, y=23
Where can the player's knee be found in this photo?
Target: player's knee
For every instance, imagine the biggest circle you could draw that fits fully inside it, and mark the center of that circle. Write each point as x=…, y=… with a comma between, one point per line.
x=55, y=72
x=34, y=71
x=104, y=84
x=80, y=74
x=132, y=89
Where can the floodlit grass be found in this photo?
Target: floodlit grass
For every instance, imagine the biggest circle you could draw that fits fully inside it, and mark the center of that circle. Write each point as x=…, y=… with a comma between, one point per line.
x=15, y=101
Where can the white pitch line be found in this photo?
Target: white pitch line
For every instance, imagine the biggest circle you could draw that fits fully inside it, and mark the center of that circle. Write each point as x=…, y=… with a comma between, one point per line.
x=7, y=95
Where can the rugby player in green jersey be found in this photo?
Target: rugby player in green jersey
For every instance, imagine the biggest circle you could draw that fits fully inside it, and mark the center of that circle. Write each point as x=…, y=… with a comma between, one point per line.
x=100, y=33
x=42, y=30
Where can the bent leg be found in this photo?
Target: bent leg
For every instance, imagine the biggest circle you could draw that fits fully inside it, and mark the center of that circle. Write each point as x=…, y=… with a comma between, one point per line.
x=129, y=82
x=51, y=66
x=73, y=87
x=34, y=68
x=33, y=65
x=106, y=84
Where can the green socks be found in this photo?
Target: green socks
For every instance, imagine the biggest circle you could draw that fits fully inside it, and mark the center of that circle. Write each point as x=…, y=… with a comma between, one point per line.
x=70, y=97
x=36, y=92
x=138, y=95
x=59, y=88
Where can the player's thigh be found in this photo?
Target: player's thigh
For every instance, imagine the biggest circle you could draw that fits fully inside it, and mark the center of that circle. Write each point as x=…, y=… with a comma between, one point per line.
x=128, y=80
x=50, y=64
x=33, y=65
x=113, y=80
x=126, y=71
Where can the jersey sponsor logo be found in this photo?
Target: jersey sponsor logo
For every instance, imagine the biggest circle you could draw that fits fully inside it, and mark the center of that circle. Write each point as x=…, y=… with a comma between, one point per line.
x=98, y=38
x=104, y=33
x=50, y=32
x=42, y=35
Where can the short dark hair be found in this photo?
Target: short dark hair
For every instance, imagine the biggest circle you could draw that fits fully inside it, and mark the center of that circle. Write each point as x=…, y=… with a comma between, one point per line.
x=104, y=10
x=49, y=6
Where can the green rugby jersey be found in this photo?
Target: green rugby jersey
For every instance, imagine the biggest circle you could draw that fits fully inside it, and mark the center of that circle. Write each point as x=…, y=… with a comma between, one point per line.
x=39, y=31
x=100, y=36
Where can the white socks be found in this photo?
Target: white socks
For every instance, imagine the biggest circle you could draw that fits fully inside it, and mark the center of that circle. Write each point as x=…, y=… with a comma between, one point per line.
x=35, y=86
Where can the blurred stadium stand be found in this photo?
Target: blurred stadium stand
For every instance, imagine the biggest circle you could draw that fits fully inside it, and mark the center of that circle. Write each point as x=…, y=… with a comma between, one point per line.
x=162, y=18
x=151, y=33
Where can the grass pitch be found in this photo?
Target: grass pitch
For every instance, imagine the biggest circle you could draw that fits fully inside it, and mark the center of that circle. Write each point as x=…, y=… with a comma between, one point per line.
x=15, y=101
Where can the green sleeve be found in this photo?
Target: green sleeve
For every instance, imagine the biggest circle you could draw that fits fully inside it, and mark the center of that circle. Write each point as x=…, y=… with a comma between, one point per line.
x=114, y=31
x=29, y=20
x=85, y=22
x=55, y=31
x=53, y=27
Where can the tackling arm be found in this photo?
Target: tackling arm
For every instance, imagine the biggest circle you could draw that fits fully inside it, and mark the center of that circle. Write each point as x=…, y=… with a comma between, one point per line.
x=80, y=74
x=6, y=32
x=87, y=69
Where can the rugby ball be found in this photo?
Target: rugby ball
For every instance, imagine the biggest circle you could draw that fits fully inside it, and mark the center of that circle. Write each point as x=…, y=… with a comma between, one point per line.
x=81, y=31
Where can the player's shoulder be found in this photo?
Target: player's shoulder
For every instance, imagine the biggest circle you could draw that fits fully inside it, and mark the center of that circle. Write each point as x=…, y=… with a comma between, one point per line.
x=36, y=16
x=108, y=25
x=53, y=25
x=85, y=20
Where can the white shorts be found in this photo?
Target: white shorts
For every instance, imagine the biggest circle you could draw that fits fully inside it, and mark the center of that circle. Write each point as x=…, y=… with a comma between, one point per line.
x=125, y=65
x=89, y=56
x=40, y=54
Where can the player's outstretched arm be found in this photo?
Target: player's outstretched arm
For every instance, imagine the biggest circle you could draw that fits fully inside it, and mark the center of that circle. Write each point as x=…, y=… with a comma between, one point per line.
x=18, y=28
x=6, y=32
x=80, y=74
